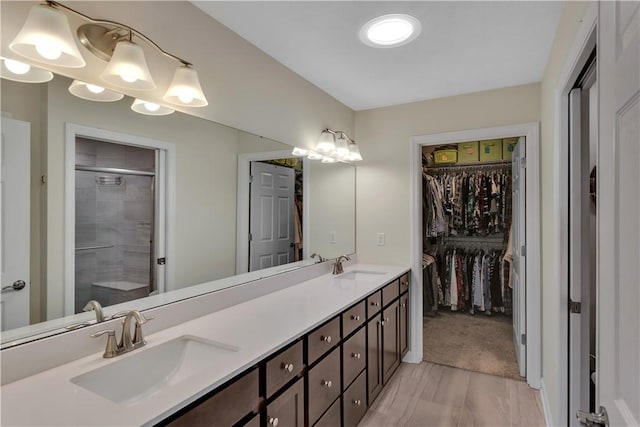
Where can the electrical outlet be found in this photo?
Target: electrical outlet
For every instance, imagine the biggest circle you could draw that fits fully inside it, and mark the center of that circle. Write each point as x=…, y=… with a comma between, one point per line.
x=332, y=236
x=380, y=240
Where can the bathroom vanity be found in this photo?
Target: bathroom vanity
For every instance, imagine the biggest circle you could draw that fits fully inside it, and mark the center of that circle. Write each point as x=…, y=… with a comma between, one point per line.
x=316, y=353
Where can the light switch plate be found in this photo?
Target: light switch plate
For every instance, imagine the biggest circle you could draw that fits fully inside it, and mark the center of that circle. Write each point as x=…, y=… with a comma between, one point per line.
x=380, y=239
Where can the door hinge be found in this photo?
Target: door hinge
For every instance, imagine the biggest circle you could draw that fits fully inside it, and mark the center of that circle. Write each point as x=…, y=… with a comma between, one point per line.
x=162, y=261
x=523, y=250
x=593, y=418
x=250, y=237
x=523, y=162
x=250, y=179
x=523, y=339
x=574, y=306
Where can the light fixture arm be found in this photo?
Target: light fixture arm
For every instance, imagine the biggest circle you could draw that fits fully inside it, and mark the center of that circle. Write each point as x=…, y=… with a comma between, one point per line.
x=340, y=133
x=118, y=27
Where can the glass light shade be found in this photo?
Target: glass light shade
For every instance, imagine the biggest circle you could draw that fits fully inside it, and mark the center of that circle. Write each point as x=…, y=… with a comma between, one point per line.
x=150, y=108
x=327, y=159
x=314, y=156
x=297, y=151
x=46, y=37
x=128, y=68
x=25, y=73
x=185, y=89
x=326, y=142
x=342, y=150
x=92, y=92
x=354, y=153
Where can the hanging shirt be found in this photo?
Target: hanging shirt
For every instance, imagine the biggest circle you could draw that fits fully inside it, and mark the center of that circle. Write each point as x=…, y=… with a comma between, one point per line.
x=453, y=284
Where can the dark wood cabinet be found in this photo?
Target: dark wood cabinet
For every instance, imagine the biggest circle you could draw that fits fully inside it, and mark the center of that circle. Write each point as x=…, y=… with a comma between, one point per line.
x=331, y=418
x=288, y=409
x=354, y=401
x=354, y=354
x=254, y=422
x=353, y=318
x=324, y=385
x=404, y=324
x=391, y=292
x=323, y=339
x=374, y=304
x=283, y=367
x=390, y=340
x=374, y=358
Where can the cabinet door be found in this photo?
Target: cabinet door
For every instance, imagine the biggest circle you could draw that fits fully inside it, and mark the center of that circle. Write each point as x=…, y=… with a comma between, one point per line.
x=288, y=409
x=374, y=358
x=355, y=401
x=390, y=340
x=404, y=324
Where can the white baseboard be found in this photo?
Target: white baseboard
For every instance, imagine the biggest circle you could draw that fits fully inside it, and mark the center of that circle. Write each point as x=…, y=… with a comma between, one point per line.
x=545, y=404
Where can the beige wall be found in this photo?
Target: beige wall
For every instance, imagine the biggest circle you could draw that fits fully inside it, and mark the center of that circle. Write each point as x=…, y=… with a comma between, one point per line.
x=570, y=21
x=383, y=178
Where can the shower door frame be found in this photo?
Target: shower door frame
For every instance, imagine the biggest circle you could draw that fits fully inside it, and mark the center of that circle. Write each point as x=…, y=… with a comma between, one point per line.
x=164, y=221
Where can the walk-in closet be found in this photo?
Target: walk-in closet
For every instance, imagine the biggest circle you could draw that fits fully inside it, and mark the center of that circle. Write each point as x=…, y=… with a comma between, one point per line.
x=470, y=274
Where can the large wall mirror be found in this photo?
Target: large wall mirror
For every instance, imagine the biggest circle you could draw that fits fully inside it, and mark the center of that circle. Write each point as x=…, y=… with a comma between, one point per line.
x=102, y=203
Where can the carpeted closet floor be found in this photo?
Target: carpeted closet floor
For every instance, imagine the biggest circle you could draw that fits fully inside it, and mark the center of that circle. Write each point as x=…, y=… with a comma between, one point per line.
x=478, y=343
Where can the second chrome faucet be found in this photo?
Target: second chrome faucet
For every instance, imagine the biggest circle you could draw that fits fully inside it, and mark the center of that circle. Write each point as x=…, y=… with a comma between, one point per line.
x=127, y=343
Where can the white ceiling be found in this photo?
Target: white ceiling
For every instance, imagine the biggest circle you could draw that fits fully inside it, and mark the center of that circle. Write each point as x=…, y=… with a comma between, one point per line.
x=464, y=46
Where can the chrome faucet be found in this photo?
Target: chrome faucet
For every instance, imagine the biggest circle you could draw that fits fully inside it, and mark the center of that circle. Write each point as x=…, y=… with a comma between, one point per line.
x=95, y=306
x=126, y=343
x=320, y=258
x=337, y=266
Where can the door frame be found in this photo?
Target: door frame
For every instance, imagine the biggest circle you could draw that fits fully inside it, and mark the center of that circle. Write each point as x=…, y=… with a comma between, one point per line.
x=244, y=194
x=577, y=57
x=533, y=289
x=165, y=181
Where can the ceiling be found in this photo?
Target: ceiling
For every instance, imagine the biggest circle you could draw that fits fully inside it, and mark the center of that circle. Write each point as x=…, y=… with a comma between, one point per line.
x=464, y=46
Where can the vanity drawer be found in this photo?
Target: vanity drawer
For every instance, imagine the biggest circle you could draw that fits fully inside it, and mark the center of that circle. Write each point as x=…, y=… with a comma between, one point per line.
x=323, y=339
x=283, y=367
x=324, y=385
x=255, y=422
x=374, y=304
x=288, y=408
x=355, y=401
x=331, y=418
x=226, y=407
x=354, y=353
x=390, y=292
x=353, y=318
x=404, y=283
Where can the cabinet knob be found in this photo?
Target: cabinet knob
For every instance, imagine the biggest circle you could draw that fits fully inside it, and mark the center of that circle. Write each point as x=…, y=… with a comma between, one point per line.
x=326, y=339
x=273, y=421
x=382, y=323
x=357, y=402
x=375, y=303
x=355, y=355
x=287, y=367
x=326, y=383
x=354, y=317
x=386, y=319
x=403, y=305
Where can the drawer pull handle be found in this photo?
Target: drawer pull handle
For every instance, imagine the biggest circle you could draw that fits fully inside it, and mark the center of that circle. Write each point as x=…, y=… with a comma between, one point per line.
x=327, y=384
x=354, y=317
x=287, y=367
x=375, y=303
x=355, y=355
x=326, y=339
x=357, y=402
x=273, y=421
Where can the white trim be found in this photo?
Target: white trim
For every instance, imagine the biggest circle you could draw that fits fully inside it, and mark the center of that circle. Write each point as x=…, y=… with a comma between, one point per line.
x=533, y=291
x=577, y=55
x=166, y=180
x=545, y=404
x=242, y=226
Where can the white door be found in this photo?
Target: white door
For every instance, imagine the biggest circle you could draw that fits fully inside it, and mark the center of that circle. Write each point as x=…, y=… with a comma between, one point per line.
x=518, y=242
x=618, y=204
x=271, y=216
x=15, y=193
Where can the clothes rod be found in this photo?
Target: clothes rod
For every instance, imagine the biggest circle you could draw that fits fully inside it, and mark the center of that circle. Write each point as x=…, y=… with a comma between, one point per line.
x=471, y=166
x=114, y=170
x=88, y=248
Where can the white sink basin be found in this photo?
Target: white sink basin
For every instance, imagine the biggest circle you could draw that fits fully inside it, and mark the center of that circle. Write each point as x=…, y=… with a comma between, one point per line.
x=145, y=372
x=360, y=275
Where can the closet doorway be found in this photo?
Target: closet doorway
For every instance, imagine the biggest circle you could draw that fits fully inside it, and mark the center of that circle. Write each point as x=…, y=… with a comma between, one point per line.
x=476, y=251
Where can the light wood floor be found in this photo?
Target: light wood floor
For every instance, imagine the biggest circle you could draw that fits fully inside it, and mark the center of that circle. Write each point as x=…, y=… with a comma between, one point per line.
x=427, y=395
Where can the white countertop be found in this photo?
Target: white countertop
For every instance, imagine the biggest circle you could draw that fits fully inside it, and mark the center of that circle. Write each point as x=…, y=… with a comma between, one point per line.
x=259, y=327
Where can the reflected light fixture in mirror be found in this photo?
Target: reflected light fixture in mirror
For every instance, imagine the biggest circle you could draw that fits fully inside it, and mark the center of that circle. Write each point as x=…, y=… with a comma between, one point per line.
x=21, y=72
x=297, y=151
x=150, y=108
x=185, y=89
x=128, y=68
x=314, y=156
x=93, y=92
x=46, y=37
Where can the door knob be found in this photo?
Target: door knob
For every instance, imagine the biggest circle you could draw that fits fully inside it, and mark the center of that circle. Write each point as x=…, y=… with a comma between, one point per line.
x=16, y=286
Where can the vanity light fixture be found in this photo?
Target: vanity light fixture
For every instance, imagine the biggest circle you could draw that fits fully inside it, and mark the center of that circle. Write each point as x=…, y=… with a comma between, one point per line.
x=354, y=153
x=390, y=30
x=314, y=156
x=93, y=92
x=332, y=146
x=46, y=37
x=327, y=142
x=150, y=108
x=342, y=150
x=21, y=72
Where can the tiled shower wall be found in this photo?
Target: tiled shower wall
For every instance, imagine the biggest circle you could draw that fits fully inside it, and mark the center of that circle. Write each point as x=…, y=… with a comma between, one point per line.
x=118, y=215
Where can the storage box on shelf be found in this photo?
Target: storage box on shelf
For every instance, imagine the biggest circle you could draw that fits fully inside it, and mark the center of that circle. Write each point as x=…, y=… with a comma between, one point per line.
x=491, y=150
x=468, y=152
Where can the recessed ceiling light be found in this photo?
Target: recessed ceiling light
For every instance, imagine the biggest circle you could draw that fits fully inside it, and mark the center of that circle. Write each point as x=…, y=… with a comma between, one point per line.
x=390, y=30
